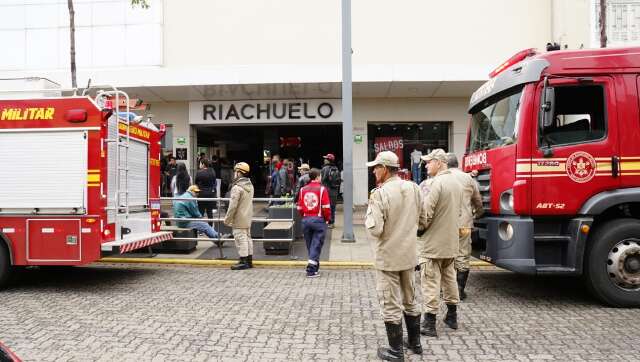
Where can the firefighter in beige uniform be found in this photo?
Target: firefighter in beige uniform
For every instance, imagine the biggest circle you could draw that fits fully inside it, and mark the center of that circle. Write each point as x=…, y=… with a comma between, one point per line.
x=439, y=246
x=471, y=208
x=239, y=215
x=392, y=220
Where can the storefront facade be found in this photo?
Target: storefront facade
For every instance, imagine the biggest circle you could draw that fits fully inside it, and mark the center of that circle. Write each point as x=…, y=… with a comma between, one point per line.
x=243, y=130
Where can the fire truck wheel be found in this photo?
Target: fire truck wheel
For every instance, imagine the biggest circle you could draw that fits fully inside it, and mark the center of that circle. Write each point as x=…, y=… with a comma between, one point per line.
x=5, y=266
x=612, y=263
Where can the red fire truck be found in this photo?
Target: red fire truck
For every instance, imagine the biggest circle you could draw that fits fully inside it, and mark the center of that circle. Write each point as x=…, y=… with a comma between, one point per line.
x=555, y=139
x=79, y=180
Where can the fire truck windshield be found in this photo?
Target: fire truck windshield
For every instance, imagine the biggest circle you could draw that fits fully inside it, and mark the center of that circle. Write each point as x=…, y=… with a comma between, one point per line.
x=496, y=124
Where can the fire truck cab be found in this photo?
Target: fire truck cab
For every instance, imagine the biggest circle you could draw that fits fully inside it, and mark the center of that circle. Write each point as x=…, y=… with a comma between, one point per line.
x=555, y=139
x=80, y=177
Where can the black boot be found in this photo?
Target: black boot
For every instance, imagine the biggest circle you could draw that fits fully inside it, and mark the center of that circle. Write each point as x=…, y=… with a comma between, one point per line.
x=451, y=318
x=462, y=282
x=394, y=352
x=250, y=261
x=429, y=325
x=241, y=265
x=413, y=332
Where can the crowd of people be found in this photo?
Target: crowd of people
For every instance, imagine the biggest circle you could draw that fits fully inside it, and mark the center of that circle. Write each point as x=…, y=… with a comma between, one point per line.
x=315, y=193
x=425, y=228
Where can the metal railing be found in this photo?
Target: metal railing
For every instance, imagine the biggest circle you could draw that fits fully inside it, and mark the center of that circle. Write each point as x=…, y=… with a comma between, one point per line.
x=219, y=241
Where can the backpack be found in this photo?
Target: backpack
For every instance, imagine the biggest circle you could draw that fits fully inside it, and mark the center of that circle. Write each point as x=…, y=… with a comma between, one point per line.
x=333, y=177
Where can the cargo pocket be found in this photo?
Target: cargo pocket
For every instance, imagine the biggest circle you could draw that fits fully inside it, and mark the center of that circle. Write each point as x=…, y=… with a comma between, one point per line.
x=369, y=221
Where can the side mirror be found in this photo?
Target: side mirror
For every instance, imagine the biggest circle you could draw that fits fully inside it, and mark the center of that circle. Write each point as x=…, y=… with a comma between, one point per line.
x=548, y=106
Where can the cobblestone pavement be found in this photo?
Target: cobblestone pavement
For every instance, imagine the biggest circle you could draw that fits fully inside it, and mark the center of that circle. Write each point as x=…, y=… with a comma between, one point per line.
x=144, y=313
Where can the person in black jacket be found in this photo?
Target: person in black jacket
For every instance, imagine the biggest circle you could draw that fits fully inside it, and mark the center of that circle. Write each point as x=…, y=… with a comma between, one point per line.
x=331, y=179
x=206, y=182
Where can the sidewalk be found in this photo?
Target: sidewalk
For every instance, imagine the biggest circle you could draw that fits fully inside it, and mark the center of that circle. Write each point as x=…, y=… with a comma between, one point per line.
x=334, y=253
x=334, y=249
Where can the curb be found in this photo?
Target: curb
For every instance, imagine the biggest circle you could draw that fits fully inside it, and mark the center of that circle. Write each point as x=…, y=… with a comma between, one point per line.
x=265, y=263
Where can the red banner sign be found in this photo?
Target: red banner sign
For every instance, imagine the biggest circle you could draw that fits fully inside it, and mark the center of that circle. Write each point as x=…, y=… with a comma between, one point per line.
x=393, y=144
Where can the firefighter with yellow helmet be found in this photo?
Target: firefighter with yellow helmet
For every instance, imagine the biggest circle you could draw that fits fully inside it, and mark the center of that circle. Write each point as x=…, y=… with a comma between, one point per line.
x=239, y=215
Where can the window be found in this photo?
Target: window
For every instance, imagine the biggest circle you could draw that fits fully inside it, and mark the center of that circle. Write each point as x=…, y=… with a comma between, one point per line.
x=496, y=125
x=579, y=116
x=623, y=23
x=109, y=33
x=407, y=141
x=166, y=143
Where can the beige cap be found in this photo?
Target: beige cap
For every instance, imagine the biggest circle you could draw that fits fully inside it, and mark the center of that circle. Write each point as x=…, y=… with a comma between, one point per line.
x=242, y=167
x=385, y=158
x=305, y=166
x=437, y=154
x=193, y=188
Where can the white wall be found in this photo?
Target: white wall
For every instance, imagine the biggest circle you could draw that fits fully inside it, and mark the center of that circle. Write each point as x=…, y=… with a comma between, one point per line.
x=224, y=32
x=177, y=115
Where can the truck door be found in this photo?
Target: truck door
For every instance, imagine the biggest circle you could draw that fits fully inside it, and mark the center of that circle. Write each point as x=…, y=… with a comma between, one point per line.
x=574, y=154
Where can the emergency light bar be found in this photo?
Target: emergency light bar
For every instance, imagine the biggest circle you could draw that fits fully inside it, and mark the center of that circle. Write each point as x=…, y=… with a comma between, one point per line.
x=76, y=115
x=518, y=57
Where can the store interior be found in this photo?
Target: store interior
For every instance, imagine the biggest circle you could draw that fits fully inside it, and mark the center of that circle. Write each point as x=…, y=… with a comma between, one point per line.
x=257, y=145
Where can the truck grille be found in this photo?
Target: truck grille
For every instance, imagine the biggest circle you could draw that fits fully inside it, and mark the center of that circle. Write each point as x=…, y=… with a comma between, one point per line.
x=484, y=185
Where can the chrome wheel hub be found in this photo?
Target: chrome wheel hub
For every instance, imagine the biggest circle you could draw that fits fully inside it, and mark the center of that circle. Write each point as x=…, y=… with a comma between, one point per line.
x=623, y=264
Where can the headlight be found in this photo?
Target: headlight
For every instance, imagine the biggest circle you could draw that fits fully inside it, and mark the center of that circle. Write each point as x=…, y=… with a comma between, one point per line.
x=506, y=201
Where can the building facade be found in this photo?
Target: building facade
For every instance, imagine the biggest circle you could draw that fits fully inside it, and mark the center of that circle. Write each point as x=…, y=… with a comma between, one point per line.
x=244, y=80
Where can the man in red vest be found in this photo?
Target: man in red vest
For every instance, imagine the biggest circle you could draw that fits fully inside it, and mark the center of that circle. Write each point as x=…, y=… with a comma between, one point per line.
x=315, y=208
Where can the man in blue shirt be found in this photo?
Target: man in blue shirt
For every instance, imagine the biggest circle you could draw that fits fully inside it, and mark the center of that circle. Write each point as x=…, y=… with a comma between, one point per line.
x=188, y=209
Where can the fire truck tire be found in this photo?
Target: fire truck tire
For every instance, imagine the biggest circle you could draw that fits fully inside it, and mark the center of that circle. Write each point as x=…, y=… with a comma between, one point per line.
x=5, y=266
x=611, y=263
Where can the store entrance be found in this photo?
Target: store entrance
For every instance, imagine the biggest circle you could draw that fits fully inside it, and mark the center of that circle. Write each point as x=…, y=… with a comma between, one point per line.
x=257, y=145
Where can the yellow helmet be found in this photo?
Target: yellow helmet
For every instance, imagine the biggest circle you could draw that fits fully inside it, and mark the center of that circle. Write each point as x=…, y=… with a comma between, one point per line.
x=242, y=167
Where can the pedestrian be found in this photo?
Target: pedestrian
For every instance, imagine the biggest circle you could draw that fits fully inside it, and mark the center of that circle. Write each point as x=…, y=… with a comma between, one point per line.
x=206, y=181
x=471, y=209
x=283, y=179
x=276, y=190
x=201, y=157
x=215, y=165
x=439, y=245
x=181, y=175
x=392, y=221
x=170, y=172
x=188, y=209
x=303, y=180
x=330, y=176
x=239, y=215
x=315, y=209
x=291, y=177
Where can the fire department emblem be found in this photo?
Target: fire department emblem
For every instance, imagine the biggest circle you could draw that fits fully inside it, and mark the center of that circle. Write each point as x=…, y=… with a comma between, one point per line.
x=581, y=167
x=310, y=200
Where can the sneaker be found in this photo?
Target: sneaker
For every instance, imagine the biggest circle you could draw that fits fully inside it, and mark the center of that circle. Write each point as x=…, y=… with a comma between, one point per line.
x=313, y=274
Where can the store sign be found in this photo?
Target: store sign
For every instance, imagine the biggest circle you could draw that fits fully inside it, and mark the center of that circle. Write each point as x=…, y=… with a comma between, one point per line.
x=393, y=144
x=181, y=140
x=265, y=111
x=357, y=139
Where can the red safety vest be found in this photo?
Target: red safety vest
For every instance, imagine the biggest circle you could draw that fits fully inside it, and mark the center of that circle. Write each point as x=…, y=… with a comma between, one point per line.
x=314, y=201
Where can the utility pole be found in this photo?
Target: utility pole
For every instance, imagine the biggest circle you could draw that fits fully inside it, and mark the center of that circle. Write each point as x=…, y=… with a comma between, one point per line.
x=603, y=23
x=347, y=124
